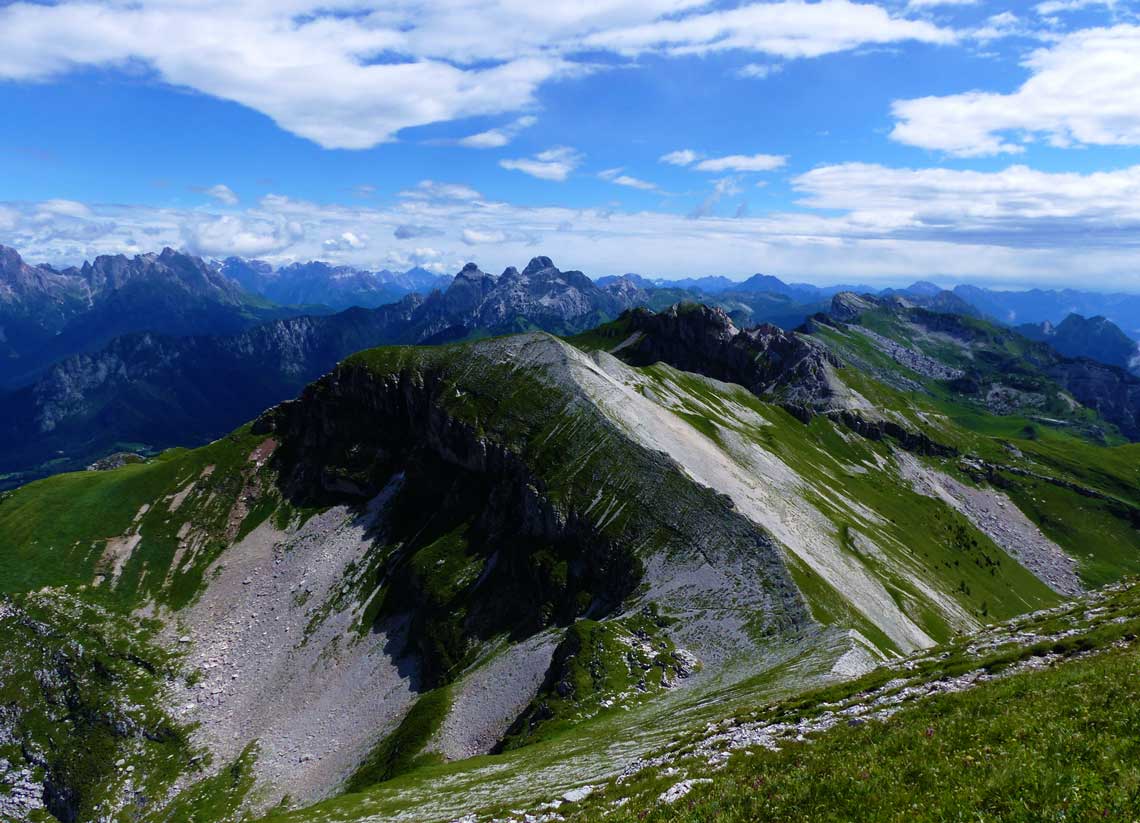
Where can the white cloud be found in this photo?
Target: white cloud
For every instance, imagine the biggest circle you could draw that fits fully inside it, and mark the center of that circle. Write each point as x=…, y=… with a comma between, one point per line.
x=553, y=164
x=681, y=157
x=791, y=29
x=1016, y=206
x=222, y=194
x=240, y=236
x=347, y=241
x=496, y=138
x=1082, y=91
x=616, y=177
x=350, y=74
x=722, y=188
x=432, y=190
x=926, y=4
x=855, y=222
x=743, y=162
x=474, y=237
x=1051, y=7
x=760, y=71
x=64, y=208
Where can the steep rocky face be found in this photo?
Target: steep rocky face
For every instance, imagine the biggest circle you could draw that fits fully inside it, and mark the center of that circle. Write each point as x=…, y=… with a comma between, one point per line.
x=1111, y=392
x=769, y=362
x=158, y=391
x=526, y=563
x=541, y=295
x=1096, y=338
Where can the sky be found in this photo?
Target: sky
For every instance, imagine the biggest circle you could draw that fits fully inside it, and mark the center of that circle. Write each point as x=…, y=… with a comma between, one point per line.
x=830, y=141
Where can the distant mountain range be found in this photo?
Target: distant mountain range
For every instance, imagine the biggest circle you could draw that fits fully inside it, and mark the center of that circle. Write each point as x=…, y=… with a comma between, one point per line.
x=47, y=314
x=322, y=284
x=150, y=390
x=168, y=349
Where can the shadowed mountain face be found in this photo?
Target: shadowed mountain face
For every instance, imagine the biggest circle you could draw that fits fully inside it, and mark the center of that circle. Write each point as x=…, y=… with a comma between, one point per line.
x=46, y=314
x=1096, y=338
x=150, y=391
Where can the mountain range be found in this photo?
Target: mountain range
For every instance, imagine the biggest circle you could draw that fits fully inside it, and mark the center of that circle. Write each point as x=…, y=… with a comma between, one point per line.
x=526, y=573
x=148, y=391
x=126, y=354
x=336, y=287
x=47, y=314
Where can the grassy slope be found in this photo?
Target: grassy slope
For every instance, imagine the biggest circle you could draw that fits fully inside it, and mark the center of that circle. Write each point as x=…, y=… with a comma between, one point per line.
x=1061, y=743
x=54, y=532
x=1099, y=532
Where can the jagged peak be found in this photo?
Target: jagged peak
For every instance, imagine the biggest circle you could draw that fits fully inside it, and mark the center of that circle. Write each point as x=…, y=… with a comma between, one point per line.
x=538, y=264
x=471, y=273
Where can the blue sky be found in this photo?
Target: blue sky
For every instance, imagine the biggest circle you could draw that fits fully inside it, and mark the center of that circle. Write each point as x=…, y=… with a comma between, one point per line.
x=990, y=142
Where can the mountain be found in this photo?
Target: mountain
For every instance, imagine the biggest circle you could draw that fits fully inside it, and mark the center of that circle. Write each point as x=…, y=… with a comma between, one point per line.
x=1053, y=306
x=46, y=314
x=338, y=287
x=972, y=363
x=1096, y=338
x=150, y=391
x=465, y=579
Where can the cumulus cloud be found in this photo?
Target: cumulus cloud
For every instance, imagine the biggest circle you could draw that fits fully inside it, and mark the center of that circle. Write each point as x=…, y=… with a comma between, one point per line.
x=1082, y=91
x=232, y=235
x=221, y=193
x=496, y=138
x=853, y=221
x=681, y=157
x=743, y=162
x=350, y=74
x=474, y=237
x=345, y=242
x=553, y=164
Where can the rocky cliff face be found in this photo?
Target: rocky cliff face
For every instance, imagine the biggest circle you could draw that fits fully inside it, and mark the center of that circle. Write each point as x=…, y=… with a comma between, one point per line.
x=771, y=363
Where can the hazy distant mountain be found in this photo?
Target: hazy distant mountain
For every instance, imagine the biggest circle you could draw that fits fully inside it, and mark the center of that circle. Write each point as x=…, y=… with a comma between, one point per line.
x=321, y=284
x=1094, y=337
x=1038, y=305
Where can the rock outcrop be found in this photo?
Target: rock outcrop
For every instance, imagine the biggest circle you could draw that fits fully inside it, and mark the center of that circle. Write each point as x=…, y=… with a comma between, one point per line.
x=773, y=364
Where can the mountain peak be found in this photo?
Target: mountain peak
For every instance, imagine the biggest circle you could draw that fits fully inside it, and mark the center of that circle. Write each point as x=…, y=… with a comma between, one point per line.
x=537, y=264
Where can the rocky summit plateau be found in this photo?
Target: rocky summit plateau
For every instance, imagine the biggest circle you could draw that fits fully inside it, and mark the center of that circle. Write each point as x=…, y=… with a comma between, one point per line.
x=552, y=554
